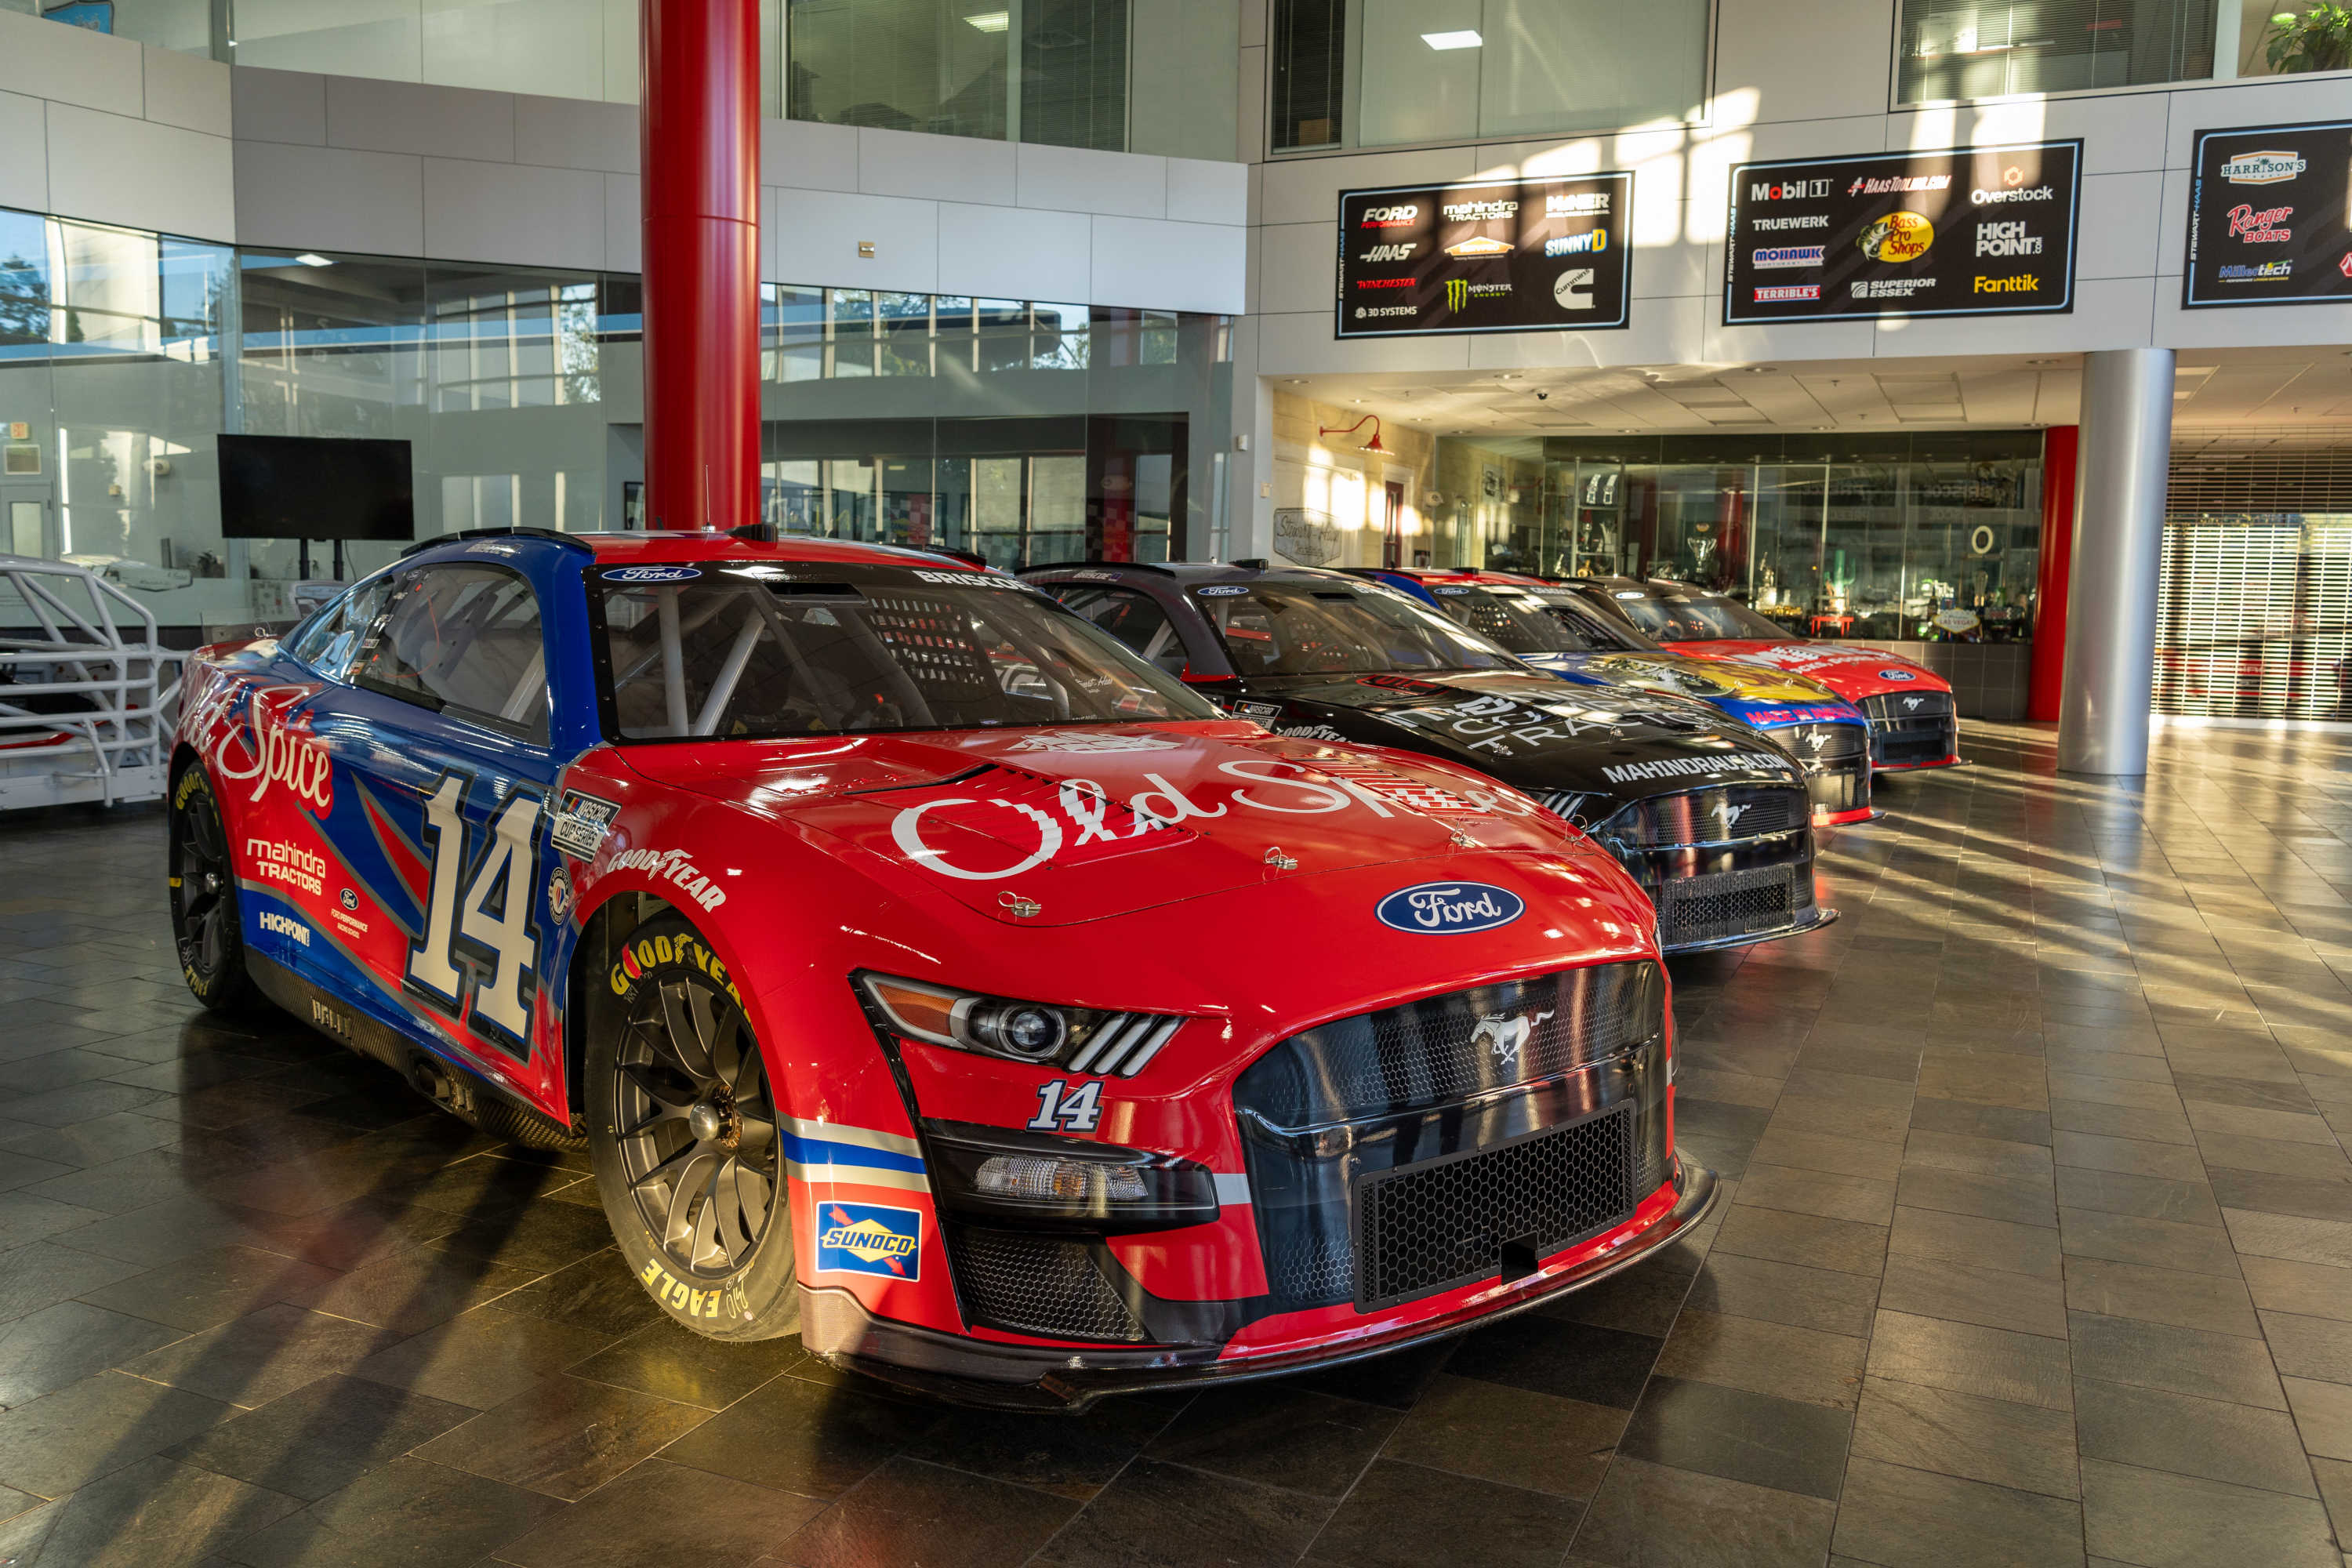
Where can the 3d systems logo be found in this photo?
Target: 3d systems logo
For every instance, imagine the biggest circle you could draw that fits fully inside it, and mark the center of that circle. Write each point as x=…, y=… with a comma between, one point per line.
x=867, y=1238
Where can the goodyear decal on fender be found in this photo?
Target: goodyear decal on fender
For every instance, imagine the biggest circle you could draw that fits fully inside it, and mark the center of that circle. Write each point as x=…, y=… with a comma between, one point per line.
x=868, y=1238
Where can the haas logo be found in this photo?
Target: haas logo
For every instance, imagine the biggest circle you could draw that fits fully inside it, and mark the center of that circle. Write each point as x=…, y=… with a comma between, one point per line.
x=1504, y=1036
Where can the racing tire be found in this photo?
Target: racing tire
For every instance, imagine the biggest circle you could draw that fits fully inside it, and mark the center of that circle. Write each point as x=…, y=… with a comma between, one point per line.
x=207, y=929
x=683, y=1134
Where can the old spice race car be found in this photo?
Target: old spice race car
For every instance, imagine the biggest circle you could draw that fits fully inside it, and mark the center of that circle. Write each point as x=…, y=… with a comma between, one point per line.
x=849, y=904
x=1553, y=628
x=1709, y=817
x=1913, y=723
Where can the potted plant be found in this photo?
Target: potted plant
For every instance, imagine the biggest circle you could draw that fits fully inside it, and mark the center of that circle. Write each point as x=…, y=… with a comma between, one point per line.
x=2319, y=40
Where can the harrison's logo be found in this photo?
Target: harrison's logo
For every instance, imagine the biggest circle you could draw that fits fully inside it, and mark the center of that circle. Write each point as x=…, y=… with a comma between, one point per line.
x=1457, y=293
x=1503, y=1035
x=2267, y=168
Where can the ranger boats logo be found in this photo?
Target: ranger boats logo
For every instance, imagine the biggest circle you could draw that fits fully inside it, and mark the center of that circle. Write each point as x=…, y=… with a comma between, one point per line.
x=1504, y=1036
x=1450, y=909
x=870, y=1239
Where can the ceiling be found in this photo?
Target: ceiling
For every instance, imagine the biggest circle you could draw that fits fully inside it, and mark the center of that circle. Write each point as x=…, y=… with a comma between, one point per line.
x=2297, y=394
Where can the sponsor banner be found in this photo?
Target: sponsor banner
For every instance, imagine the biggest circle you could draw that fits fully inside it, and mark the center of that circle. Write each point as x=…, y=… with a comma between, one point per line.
x=1492, y=256
x=1953, y=231
x=2268, y=216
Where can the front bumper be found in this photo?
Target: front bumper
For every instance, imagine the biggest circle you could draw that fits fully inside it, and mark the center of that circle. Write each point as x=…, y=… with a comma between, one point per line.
x=835, y=1327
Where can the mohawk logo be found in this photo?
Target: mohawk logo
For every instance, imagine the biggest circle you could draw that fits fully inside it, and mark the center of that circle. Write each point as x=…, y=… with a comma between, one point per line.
x=868, y=1238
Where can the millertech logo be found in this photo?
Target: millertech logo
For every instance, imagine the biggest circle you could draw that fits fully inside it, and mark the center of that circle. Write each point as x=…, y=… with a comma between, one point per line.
x=2268, y=168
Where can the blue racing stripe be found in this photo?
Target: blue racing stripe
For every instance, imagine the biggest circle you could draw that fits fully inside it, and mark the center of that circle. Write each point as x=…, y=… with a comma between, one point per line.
x=824, y=1152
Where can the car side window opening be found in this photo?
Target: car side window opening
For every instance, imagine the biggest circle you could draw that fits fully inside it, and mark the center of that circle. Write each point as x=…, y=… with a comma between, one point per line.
x=1700, y=617
x=464, y=638
x=328, y=639
x=1134, y=617
x=1520, y=622
x=1286, y=629
x=771, y=650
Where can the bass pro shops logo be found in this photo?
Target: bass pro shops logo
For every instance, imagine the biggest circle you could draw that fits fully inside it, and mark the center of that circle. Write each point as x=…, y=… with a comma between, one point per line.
x=868, y=1238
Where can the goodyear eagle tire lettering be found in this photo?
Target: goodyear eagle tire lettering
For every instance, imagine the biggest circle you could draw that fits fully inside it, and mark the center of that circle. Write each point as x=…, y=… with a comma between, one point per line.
x=206, y=921
x=682, y=1131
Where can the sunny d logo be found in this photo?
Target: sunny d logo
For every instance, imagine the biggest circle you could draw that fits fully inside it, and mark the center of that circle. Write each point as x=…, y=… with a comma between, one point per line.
x=867, y=1238
x=1449, y=909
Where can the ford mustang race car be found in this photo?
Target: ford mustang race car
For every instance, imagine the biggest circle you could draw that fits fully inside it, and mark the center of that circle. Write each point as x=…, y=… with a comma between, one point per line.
x=1913, y=723
x=1711, y=820
x=848, y=903
x=1553, y=628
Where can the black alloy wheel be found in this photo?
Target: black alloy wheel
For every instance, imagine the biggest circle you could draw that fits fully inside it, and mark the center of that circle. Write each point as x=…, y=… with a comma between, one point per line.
x=694, y=1124
x=204, y=922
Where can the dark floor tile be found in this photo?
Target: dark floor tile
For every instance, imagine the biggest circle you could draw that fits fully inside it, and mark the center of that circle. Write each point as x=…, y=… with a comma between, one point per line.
x=322, y=1436
x=2160, y=1242
x=482, y=1358
x=564, y=1437
x=1969, y=1293
x=538, y=1239
x=2029, y=1249
x=2164, y=1521
x=1821, y=1298
x=163, y=1232
x=909, y=1511
x=61, y=1344
x=67, y=1439
x=25, y=1218
x=1273, y=1434
x=1073, y=1457
x=1971, y=1121
x=154, y=1514
x=259, y=1357
x=676, y=1363
x=352, y=1235
x=1929, y=1151
x=1905, y=1518
x=805, y=1437
x=2323, y=1417
x=204, y=1290
x=2310, y=1347
x=2160, y=1295
x=1599, y=1366
x=660, y=1513
x=1536, y=1441
x=1998, y=1441
x=94, y=1143
x=2312, y=1197
x=42, y=1274
x=1642, y=1300
x=2220, y=1441
x=1402, y=1516
x=2306, y=1290
x=79, y=1102
x=1169, y=1516
x=1766, y=1441
x=2194, y=1361
x=1762, y=1357
x=1648, y=1515
x=411, y=1513
x=1805, y=1239
x=2129, y=1156
x=1395, y=1380
x=411, y=1290
x=1967, y=1358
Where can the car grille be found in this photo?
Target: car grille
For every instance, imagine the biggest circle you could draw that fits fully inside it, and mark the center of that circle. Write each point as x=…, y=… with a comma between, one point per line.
x=1709, y=816
x=1911, y=726
x=1430, y=1052
x=1735, y=904
x=1427, y=1228
x=1828, y=744
x=1031, y=1284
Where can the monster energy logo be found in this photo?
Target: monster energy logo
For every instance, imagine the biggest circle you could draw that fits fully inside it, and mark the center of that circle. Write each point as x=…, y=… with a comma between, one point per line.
x=1457, y=293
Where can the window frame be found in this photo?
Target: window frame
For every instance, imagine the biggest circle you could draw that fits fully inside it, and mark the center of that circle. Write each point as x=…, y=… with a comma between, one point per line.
x=511, y=730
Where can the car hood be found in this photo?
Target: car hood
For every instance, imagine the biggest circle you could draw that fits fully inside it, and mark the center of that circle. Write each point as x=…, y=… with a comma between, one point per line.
x=1547, y=738
x=1753, y=694
x=1853, y=672
x=1053, y=826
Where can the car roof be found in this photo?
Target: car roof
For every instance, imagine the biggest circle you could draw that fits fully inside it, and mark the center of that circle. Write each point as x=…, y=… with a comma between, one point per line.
x=1193, y=572
x=680, y=544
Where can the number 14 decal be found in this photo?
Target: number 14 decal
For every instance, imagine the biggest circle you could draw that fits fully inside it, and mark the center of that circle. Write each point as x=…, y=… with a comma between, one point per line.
x=1062, y=1108
x=490, y=927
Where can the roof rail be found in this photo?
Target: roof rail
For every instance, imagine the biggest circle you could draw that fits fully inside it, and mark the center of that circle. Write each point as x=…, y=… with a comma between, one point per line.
x=1065, y=565
x=555, y=534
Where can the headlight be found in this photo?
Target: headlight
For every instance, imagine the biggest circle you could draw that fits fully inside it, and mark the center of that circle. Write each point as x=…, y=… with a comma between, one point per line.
x=1082, y=1040
x=1041, y=1180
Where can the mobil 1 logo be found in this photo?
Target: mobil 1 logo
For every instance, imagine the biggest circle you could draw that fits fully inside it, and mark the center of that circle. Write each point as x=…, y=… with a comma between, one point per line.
x=1488, y=256
x=1953, y=231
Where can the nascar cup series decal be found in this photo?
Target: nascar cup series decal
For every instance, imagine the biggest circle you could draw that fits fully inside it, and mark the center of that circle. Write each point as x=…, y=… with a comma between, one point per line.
x=1450, y=909
x=868, y=1238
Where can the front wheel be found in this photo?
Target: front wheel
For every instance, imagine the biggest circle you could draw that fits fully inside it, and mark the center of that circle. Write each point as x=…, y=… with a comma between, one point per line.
x=682, y=1131
x=204, y=922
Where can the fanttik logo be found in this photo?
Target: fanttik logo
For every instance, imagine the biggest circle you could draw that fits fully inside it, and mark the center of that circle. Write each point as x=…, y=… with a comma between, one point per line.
x=1898, y=237
x=868, y=1238
x=1788, y=256
x=2265, y=168
x=1775, y=293
x=1480, y=246
x=1390, y=217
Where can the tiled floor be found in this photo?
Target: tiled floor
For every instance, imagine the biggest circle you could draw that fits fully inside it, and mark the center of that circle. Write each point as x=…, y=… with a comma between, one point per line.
x=2036, y=1245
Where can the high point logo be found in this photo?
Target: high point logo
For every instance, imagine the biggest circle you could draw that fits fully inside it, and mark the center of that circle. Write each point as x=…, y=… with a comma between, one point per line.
x=2008, y=238
x=277, y=924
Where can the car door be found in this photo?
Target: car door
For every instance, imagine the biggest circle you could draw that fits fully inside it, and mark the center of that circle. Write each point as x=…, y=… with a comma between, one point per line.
x=442, y=720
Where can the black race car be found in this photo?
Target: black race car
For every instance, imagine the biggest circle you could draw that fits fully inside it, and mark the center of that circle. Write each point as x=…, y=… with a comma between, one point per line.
x=1710, y=817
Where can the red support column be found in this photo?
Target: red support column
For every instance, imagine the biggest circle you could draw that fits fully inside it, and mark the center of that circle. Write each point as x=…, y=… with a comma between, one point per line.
x=699, y=85
x=2046, y=675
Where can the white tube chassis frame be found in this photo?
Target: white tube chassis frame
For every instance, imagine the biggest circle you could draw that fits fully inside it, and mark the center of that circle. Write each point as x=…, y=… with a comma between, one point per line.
x=115, y=749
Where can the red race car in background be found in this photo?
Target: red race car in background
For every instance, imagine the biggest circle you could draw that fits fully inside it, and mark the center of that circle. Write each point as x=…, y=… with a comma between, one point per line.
x=926, y=972
x=1913, y=723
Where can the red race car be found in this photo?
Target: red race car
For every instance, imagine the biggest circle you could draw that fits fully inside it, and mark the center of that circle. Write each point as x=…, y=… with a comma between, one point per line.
x=926, y=972
x=1913, y=723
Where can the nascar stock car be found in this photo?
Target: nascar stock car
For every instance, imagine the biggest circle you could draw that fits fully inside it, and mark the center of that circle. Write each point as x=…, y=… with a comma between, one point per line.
x=848, y=904
x=1552, y=628
x=1913, y=723
x=1710, y=818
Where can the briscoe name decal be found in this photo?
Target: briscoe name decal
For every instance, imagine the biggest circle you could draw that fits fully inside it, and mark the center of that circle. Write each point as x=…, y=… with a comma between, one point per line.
x=1450, y=909
x=1679, y=767
x=675, y=868
x=870, y=1238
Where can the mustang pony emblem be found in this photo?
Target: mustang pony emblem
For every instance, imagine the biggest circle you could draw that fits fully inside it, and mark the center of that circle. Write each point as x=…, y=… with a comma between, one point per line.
x=1504, y=1036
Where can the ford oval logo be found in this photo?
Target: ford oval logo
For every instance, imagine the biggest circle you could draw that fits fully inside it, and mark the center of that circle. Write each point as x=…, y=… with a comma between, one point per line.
x=649, y=575
x=1450, y=909
x=1896, y=675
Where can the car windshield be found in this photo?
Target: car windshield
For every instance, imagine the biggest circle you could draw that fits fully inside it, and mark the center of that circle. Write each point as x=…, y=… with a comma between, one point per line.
x=1695, y=618
x=764, y=649
x=1300, y=628
x=1528, y=619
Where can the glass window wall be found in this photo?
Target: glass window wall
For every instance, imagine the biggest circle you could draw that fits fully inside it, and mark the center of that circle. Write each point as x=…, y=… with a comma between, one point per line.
x=1982, y=48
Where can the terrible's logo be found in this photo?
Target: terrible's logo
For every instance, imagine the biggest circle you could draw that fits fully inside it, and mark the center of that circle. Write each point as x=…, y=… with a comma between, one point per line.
x=868, y=1238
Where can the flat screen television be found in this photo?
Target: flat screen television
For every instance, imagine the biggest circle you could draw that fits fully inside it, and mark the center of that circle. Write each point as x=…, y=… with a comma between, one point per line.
x=316, y=487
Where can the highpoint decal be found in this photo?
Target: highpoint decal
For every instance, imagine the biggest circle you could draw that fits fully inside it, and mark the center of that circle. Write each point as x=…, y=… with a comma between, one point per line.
x=281, y=925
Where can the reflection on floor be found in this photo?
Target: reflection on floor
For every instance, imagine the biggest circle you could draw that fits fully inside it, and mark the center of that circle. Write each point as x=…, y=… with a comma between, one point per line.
x=2036, y=1243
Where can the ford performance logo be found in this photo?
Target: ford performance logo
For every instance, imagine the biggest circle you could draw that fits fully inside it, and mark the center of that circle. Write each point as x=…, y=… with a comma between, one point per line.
x=649, y=575
x=1450, y=909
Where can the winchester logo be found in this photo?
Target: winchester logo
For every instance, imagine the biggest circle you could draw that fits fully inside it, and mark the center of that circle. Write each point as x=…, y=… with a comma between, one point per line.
x=1502, y=1036
x=2268, y=168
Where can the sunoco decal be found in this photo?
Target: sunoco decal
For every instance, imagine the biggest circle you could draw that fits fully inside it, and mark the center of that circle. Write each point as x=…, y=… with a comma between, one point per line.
x=870, y=1238
x=1450, y=909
